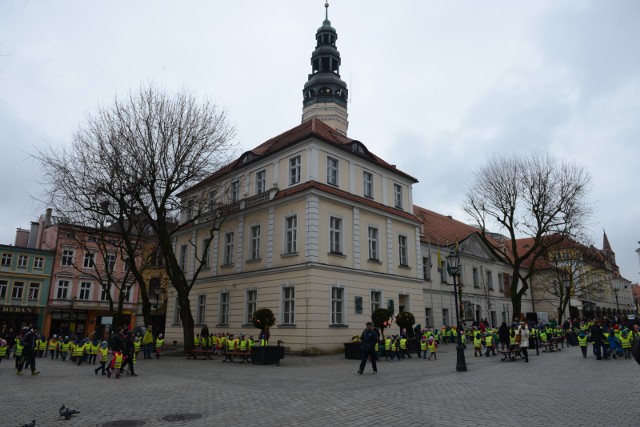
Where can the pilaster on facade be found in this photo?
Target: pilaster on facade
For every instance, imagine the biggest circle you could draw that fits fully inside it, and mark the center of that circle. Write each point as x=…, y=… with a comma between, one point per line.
x=214, y=245
x=313, y=229
x=418, y=260
x=390, y=268
x=239, y=245
x=356, y=238
x=313, y=161
x=352, y=177
x=385, y=200
x=270, y=231
x=193, y=242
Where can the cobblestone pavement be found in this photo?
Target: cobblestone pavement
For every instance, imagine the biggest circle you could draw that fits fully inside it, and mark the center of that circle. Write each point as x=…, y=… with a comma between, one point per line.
x=554, y=389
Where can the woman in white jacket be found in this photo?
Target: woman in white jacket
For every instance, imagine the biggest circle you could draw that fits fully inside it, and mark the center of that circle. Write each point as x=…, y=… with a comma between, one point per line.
x=523, y=332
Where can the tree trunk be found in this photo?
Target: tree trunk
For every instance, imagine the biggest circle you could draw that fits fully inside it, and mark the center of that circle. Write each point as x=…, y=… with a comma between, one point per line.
x=187, y=321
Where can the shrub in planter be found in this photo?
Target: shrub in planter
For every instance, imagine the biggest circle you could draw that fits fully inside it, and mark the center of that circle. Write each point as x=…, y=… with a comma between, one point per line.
x=382, y=318
x=263, y=319
x=405, y=320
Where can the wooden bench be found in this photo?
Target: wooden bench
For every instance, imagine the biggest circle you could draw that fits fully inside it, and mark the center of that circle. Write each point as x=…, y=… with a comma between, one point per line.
x=193, y=354
x=550, y=346
x=513, y=353
x=229, y=355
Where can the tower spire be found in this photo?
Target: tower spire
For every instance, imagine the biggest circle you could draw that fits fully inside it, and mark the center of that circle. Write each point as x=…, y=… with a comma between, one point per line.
x=325, y=94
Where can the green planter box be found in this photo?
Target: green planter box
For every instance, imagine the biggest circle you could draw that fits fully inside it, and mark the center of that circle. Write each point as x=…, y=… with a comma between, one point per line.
x=268, y=355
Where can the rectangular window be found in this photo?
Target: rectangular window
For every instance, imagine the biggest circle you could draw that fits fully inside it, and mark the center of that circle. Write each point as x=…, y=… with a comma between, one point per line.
x=228, y=248
x=183, y=257
x=38, y=263
x=34, y=291
x=176, y=312
x=332, y=171
x=426, y=269
x=63, y=289
x=18, y=288
x=261, y=181
x=189, y=210
x=445, y=317
x=110, y=262
x=235, y=191
x=288, y=305
x=500, y=282
x=335, y=235
x=224, y=309
x=294, y=170
x=6, y=259
x=373, y=243
x=104, y=293
x=376, y=300
x=88, y=260
x=337, y=306
x=211, y=200
x=67, y=258
x=367, y=182
x=252, y=301
x=291, y=234
x=3, y=290
x=489, y=280
x=200, y=309
x=255, y=242
x=428, y=318
x=206, y=250
x=23, y=260
x=402, y=251
x=397, y=196
x=85, y=291
x=476, y=278
x=443, y=271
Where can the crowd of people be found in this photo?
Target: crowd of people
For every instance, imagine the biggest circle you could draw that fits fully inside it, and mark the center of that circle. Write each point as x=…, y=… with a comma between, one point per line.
x=116, y=356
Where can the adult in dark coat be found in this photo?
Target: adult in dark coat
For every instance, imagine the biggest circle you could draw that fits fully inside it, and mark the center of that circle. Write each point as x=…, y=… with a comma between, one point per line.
x=129, y=353
x=598, y=340
x=503, y=335
x=368, y=341
x=29, y=351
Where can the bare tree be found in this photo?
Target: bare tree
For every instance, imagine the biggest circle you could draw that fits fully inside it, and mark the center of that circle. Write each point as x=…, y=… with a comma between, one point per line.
x=532, y=197
x=128, y=165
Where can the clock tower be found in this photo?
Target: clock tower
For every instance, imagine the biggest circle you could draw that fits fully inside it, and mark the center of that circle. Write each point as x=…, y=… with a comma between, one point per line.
x=325, y=94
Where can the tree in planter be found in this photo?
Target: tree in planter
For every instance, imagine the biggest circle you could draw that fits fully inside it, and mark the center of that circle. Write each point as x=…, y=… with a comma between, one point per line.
x=405, y=320
x=263, y=319
x=382, y=318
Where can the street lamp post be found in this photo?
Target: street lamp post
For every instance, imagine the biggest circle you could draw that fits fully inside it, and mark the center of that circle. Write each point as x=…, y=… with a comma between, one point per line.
x=453, y=266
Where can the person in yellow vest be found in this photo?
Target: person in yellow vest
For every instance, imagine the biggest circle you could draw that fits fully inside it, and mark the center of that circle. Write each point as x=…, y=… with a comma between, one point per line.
x=625, y=341
x=147, y=343
x=116, y=364
x=424, y=345
x=18, y=348
x=432, y=345
x=63, y=348
x=94, y=349
x=87, y=350
x=159, y=344
x=196, y=342
x=488, y=342
x=583, y=341
x=137, y=345
x=231, y=346
x=403, y=347
x=3, y=349
x=53, y=346
x=103, y=353
x=477, y=344
x=387, y=348
x=42, y=346
x=244, y=347
x=77, y=354
x=221, y=344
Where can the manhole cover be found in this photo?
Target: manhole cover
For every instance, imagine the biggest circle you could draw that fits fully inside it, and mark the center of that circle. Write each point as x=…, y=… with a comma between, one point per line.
x=124, y=423
x=182, y=417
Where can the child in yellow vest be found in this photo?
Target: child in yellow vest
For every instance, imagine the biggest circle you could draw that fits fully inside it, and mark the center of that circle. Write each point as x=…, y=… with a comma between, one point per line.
x=103, y=353
x=432, y=345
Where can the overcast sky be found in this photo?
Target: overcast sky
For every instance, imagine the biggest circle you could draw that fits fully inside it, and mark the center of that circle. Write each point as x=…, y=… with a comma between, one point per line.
x=437, y=87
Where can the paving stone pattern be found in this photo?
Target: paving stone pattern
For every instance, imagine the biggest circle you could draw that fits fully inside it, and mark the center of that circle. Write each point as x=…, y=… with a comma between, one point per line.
x=556, y=389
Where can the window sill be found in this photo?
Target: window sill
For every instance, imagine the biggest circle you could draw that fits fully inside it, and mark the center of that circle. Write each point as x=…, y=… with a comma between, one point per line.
x=338, y=325
x=287, y=326
x=374, y=261
x=253, y=261
x=289, y=255
x=176, y=324
x=222, y=325
x=337, y=254
x=225, y=266
x=405, y=266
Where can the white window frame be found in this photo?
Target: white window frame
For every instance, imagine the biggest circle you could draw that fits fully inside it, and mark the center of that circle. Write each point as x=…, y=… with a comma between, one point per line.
x=6, y=259
x=34, y=291
x=89, y=260
x=254, y=244
x=85, y=287
x=66, y=260
x=291, y=234
x=403, y=250
x=104, y=293
x=476, y=277
x=211, y=200
x=397, y=195
x=428, y=314
x=23, y=261
x=335, y=235
x=224, y=308
x=183, y=258
x=332, y=171
x=373, y=243
x=376, y=300
x=367, y=184
x=295, y=164
x=338, y=313
x=63, y=287
x=206, y=252
x=489, y=280
x=288, y=305
x=4, y=284
x=500, y=282
x=38, y=263
x=201, y=308
x=426, y=269
x=228, y=248
x=110, y=262
x=17, y=290
x=444, y=277
x=251, y=304
x=261, y=181
x=235, y=191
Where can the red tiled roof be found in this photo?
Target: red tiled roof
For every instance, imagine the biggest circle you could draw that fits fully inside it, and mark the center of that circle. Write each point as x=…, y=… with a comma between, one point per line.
x=441, y=229
x=311, y=128
x=345, y=195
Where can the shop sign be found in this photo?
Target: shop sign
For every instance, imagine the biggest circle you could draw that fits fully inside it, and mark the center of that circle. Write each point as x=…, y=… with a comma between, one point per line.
x=15, y=309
